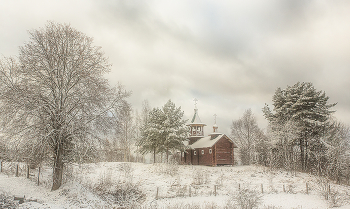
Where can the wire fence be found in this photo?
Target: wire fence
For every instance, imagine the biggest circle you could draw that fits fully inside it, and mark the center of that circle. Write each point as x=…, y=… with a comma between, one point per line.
x=21, y=169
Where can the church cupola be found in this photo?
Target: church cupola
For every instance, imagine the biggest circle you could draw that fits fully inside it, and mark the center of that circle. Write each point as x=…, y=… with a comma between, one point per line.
x=215, y=127
x=196, y=126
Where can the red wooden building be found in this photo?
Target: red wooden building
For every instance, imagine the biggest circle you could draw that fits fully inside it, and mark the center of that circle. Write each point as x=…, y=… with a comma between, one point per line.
x=214, y=149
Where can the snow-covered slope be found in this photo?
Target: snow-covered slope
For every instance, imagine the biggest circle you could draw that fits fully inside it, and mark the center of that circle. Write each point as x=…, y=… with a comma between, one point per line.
x=166, y=185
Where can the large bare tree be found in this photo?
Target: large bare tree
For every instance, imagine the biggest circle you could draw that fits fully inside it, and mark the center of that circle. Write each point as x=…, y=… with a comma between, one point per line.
x=55, y=96
x=247, y=134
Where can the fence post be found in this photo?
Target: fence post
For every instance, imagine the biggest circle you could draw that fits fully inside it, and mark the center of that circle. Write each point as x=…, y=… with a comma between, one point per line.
x=284, y=189
x=215, y=190
x=239, y=186
x=157, y=192
x=189, y=190
x=38, y=176
x=17, y=170
x=1, y=166
x=27, y=171
x=307, y=188
x=329, y=189
x=262, y=189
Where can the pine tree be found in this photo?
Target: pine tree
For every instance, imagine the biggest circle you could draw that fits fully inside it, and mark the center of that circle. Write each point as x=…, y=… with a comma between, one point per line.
x=163, y=131
x=152, y=133
x=175, y=131
x=307, y=109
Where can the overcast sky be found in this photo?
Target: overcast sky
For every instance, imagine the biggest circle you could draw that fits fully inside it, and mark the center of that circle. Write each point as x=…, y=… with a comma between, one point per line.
x=230, y=55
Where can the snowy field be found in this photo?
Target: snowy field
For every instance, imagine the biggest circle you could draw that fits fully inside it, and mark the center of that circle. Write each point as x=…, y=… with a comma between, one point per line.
x=173, y=186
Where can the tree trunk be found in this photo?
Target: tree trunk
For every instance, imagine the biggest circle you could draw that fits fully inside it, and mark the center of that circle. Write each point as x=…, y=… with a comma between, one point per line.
x=306, y=164
x=302, y=154
x=57, y=169
x=154, y=155
x=167, y=155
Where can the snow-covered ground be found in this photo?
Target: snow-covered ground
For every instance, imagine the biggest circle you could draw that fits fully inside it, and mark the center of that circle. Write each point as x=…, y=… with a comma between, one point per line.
x=176, y=186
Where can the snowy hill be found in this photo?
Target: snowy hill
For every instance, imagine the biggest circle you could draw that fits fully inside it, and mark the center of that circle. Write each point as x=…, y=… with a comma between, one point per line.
x=175, y=186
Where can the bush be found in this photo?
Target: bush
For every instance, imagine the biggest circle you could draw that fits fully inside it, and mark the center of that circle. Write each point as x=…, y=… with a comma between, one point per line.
x=244, y=199
x=7, y=201
x=119, y=194
x=200, y=177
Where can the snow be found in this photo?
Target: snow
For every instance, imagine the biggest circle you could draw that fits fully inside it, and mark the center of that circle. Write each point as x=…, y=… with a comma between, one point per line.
x=173, y=183
x=206, y=142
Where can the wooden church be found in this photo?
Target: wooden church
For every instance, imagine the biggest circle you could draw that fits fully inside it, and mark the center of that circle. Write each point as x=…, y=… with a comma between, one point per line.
x=212, y=150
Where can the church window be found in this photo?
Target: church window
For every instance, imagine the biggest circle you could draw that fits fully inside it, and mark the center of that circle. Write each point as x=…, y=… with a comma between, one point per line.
x=194, y=152
x=202, y=152
x=210, y=151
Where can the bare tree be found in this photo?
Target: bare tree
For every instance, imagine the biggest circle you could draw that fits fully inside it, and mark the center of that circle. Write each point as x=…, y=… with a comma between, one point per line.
x=55, y=95
x=336, y=142
x=246, y=133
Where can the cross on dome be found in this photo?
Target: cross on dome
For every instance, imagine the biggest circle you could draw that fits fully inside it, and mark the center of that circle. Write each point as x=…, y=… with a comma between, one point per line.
x=195, y=103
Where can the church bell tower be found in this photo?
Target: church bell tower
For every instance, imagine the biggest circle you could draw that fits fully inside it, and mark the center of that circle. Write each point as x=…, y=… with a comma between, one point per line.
x=196, y=126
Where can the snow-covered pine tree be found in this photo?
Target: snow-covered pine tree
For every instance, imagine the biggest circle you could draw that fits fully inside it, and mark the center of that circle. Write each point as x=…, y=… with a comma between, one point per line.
x=307, y=109
x=164, y=130
x=152, y=133
x=175, y=130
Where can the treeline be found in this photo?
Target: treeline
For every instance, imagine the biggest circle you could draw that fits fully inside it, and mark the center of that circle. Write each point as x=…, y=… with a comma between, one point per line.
x=302, y=135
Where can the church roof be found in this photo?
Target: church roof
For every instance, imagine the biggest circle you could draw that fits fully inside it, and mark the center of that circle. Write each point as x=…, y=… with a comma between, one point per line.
x=196, y=119
x=209, y=141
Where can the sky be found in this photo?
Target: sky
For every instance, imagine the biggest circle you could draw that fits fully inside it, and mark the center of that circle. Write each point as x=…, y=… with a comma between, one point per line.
x=230, y=55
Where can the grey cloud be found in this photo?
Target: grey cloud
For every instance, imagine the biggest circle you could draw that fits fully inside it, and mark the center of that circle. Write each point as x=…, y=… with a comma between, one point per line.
x=230, y=55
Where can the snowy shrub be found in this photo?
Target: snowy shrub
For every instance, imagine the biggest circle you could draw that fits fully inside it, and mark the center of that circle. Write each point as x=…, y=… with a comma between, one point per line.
x=7, y=201
x=271, y=186
x=290, y=189
x=206, y=205
x=244, y=199
x=122, y=194
x=200, y=177
x=68, y=172
x=323, y=187
x=172, y=169
x=127, y=171
x=178, y=190
x=220, y=180
x=335, y=199
x=272, y=207
x=126, y=168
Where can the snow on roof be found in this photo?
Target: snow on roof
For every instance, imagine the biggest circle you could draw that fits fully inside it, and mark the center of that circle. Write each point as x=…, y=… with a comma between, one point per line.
x=195, y=118
x=206, y=141
x=209, y=142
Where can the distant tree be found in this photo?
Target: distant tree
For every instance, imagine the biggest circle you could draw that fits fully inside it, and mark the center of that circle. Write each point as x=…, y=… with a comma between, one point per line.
x=247, y=135
x=55, y=96
x=307, y=109
x=164, y=130
x=334, y=160
x=126, y=131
